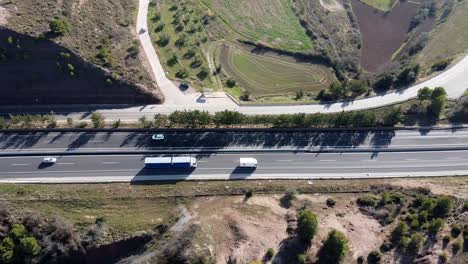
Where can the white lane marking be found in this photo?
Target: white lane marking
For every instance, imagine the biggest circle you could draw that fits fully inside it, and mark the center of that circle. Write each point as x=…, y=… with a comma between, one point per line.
x=328, y=160
x=110, y=162
x=65, y=163
x=412, y=159
x=19, y=164
x=454, y=158
x=284, y=160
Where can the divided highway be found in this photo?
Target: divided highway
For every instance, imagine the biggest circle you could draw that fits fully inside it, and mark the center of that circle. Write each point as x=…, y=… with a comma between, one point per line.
x=119, y=156
x=130, y=168
x=380, y=140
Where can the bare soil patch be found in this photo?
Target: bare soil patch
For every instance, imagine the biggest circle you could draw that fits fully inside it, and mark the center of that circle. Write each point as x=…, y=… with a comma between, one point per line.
x=238, y=227
x=4, y=14
x=382, y=33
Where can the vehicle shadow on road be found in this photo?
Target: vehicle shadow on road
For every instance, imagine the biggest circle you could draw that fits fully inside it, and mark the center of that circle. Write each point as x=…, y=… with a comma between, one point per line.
x=155, y=176
x=241, y=173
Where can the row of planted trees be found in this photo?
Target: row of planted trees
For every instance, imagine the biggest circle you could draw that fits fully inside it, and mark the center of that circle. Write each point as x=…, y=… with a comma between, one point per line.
x=227, y=118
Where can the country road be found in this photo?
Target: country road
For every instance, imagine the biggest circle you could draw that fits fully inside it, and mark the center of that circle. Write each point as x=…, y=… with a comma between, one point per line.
x=130, y=168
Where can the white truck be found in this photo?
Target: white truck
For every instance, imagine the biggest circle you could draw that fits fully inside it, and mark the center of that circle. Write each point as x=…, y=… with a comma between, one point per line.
x=248, y=163
x=170, y=163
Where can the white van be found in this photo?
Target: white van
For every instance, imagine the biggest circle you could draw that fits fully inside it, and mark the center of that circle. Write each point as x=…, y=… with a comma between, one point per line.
x=248, y=163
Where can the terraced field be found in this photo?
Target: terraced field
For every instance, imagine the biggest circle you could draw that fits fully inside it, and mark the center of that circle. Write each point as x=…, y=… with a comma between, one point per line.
x=271, y=75
x=269, y=21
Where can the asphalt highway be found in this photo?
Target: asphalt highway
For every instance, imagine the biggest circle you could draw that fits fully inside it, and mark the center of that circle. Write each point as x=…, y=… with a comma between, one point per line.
x=71, y=142
x=128, y=168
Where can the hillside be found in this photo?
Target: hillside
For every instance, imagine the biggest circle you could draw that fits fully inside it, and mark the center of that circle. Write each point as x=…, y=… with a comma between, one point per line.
x=234, y=221
x=95, y=60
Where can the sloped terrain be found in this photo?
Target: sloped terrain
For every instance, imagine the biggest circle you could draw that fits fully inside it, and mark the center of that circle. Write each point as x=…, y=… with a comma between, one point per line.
x=99, y=45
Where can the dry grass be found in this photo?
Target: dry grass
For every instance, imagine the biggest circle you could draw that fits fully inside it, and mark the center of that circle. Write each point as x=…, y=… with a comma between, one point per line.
x=90, y=22
x=449, y=39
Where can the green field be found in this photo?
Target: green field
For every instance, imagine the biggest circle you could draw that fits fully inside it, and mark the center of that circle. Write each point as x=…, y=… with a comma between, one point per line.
x=384, y=5
x=182, y=24
x=271, y=75
x=272, y=22
x=449, y=39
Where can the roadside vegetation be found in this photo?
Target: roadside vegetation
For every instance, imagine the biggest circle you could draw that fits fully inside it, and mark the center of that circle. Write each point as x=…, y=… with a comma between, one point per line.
x=430, y=108
x=175, y=222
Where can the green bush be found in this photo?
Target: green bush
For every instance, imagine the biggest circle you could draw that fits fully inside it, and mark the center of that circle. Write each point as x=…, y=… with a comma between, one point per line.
x=307, y=225
x=230, y=83
x=399, y=232
x=456, y=246
x=270, y=253
x=443, y=206
x=366, y=201
x=443, y=257
x=416, y=241
x=334, y=248
x=436, y=225
x=98, y=120
x=59, y=26
x=330, y=202
x=456, y=230
x=446, y=239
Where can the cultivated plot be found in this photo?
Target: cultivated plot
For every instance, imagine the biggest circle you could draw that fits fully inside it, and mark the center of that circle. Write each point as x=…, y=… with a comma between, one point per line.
x=268, y=74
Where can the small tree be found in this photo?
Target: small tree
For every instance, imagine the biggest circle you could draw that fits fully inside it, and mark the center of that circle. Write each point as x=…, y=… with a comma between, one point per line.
x=307, y=225
x=456, y=246
x=438, y=91
x=424, y=94
x=456, y=230
x=330, y=202
x=416, y=242
x=230, y=83
x=400, y=230
x=442, y=207
x=116, y=124
x=443, y=257
x=436, y=225
x=59, y=26
x=98, y=120
x=334, y=248
x=29, y=246
x=438, y=105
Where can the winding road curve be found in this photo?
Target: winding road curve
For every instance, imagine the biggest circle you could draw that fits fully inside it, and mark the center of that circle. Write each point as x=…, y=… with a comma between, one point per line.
x=455, y=81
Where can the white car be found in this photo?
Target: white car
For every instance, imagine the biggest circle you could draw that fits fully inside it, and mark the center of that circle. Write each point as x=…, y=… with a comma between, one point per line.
x=49, y=160
x=157, y=137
